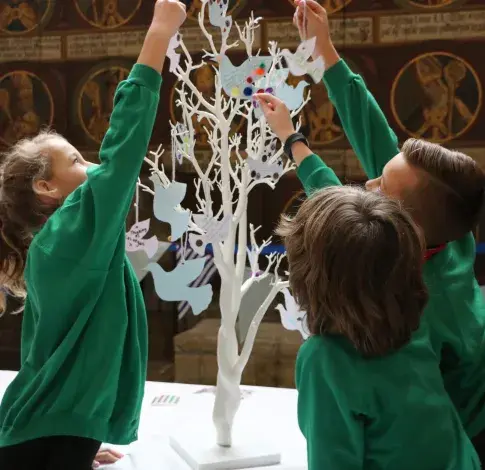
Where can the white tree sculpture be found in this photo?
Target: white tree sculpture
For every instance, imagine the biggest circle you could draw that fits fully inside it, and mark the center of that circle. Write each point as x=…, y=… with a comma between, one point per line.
x=238, y=164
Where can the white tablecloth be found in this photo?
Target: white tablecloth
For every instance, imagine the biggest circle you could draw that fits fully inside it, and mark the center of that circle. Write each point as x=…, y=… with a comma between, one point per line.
x=273, y=410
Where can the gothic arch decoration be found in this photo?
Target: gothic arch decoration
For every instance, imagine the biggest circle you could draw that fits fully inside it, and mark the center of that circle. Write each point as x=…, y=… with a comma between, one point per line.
x=24, y=16
x=429, y=4
x=26, y=106
x=95, y=99
x=436, y=96
x=107, y=14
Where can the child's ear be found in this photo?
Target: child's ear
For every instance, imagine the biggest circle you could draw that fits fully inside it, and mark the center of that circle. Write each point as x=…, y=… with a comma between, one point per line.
x=46, y=190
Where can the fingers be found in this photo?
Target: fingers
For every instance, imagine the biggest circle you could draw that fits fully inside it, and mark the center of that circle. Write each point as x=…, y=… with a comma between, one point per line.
x=108, y=456
x=312, y=6
x=269, y=99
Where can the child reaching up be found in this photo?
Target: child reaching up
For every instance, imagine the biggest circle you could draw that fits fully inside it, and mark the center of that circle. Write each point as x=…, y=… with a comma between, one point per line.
x=444, y=192
x=62, y=245
x=370, y=392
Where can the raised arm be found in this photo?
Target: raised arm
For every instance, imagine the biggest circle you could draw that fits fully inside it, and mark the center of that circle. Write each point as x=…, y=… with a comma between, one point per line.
x=365, y=125
x=334, y=435
x=93, y=217
x=312, y=171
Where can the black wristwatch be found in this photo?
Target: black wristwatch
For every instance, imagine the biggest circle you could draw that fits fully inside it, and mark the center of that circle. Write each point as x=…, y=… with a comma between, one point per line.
x=290, y=141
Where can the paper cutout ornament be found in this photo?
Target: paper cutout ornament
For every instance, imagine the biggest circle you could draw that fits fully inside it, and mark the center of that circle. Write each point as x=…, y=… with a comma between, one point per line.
x=240, y=82
x=171, y=54
x=274, y=79
x=166, y=206
x=293, y=97
x=260, y=169
x=218, y=12
x=215, y=232
x=175, y=285
x=136, y=242
x=299, y=62
x=292, y=318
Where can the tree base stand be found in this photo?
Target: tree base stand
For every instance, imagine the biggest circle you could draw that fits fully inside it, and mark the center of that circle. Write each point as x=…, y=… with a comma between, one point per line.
x=194, y=440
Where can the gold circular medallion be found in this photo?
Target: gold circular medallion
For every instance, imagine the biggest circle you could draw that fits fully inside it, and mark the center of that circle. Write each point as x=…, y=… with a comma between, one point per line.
x=436, y=96
x=95, y=100
x=204, y=80
x=107, y=14
x=26, y=106
x=332, y=6
x=429, y=4
x=23, y=16
x=195, y=6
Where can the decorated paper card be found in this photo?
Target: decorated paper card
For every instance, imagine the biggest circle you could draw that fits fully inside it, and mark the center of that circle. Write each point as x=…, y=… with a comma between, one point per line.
x=214, y=231
x=240, y=81
x=218, y=12
x=136, y=242
x=175, y=285
x=166, y=206
x=172, y=54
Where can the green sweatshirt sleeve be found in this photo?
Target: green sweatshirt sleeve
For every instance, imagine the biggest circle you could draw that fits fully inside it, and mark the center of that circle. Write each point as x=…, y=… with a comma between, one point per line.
x=314, y=174
x=88, y=225
x=365, y=125
x=335, y=438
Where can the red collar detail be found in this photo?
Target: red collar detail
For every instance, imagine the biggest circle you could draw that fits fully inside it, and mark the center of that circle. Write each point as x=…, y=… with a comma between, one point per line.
x=429, y=253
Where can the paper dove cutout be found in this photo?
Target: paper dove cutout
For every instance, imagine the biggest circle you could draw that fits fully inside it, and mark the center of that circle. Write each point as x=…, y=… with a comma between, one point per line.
x=260, y=169
x=274, y=80
x=293, y=97
x=135, y=241
x=175, y=285
x=166, y=206
x=218, y=12
x=215, y=231
x=171, y=54
x=299, y=64
x=239, y=82
x=292, y=318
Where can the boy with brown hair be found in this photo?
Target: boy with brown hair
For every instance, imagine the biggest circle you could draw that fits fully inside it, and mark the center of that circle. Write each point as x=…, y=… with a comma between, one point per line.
x=369, y=396
x=443, y=190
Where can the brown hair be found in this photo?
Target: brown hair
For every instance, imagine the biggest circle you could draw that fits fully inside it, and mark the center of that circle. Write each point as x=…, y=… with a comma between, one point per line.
x=449, y=197
x=21, y=211
x=355, y=261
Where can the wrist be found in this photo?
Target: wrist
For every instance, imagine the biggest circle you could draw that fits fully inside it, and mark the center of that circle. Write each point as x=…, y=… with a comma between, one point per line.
x=283, y=136
x=160, y=30
x=327, y=51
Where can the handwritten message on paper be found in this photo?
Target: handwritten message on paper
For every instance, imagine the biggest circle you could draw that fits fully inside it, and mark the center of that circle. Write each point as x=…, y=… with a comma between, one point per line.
x=88, y=46
x=344, y=31
x=421, y=27
x=32, y=48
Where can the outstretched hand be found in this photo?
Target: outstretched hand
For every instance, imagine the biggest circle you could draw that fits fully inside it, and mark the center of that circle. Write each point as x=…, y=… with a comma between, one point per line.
x=312, y=21
x=277, y=115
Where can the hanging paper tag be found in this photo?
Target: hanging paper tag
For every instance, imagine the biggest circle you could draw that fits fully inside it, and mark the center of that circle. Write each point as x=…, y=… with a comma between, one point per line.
x=215, y=231
x=136, y=242
x=171, y=54
x=292, y=318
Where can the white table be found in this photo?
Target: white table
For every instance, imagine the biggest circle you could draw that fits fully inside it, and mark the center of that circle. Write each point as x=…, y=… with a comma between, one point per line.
x=275, y=409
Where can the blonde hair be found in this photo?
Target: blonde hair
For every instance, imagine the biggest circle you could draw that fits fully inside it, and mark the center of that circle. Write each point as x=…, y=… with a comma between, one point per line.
x=22, y=213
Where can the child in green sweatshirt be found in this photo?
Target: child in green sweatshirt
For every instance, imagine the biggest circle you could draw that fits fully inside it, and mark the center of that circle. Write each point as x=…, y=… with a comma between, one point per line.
x=62, y=245
x=368, y=397
x=444, y=191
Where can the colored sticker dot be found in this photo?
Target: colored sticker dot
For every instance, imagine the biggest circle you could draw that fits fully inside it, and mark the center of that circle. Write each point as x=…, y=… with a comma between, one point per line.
x=269, y=90
x=248, y=91
x=235, y=92
x=249, y=80
x=262, y=65
x=261, y=91
x=259, y=71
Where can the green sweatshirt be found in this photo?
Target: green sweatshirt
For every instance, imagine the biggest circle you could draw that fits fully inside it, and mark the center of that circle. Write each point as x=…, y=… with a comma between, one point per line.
x=456, y=308
x=388, y=413
x=84, y=332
